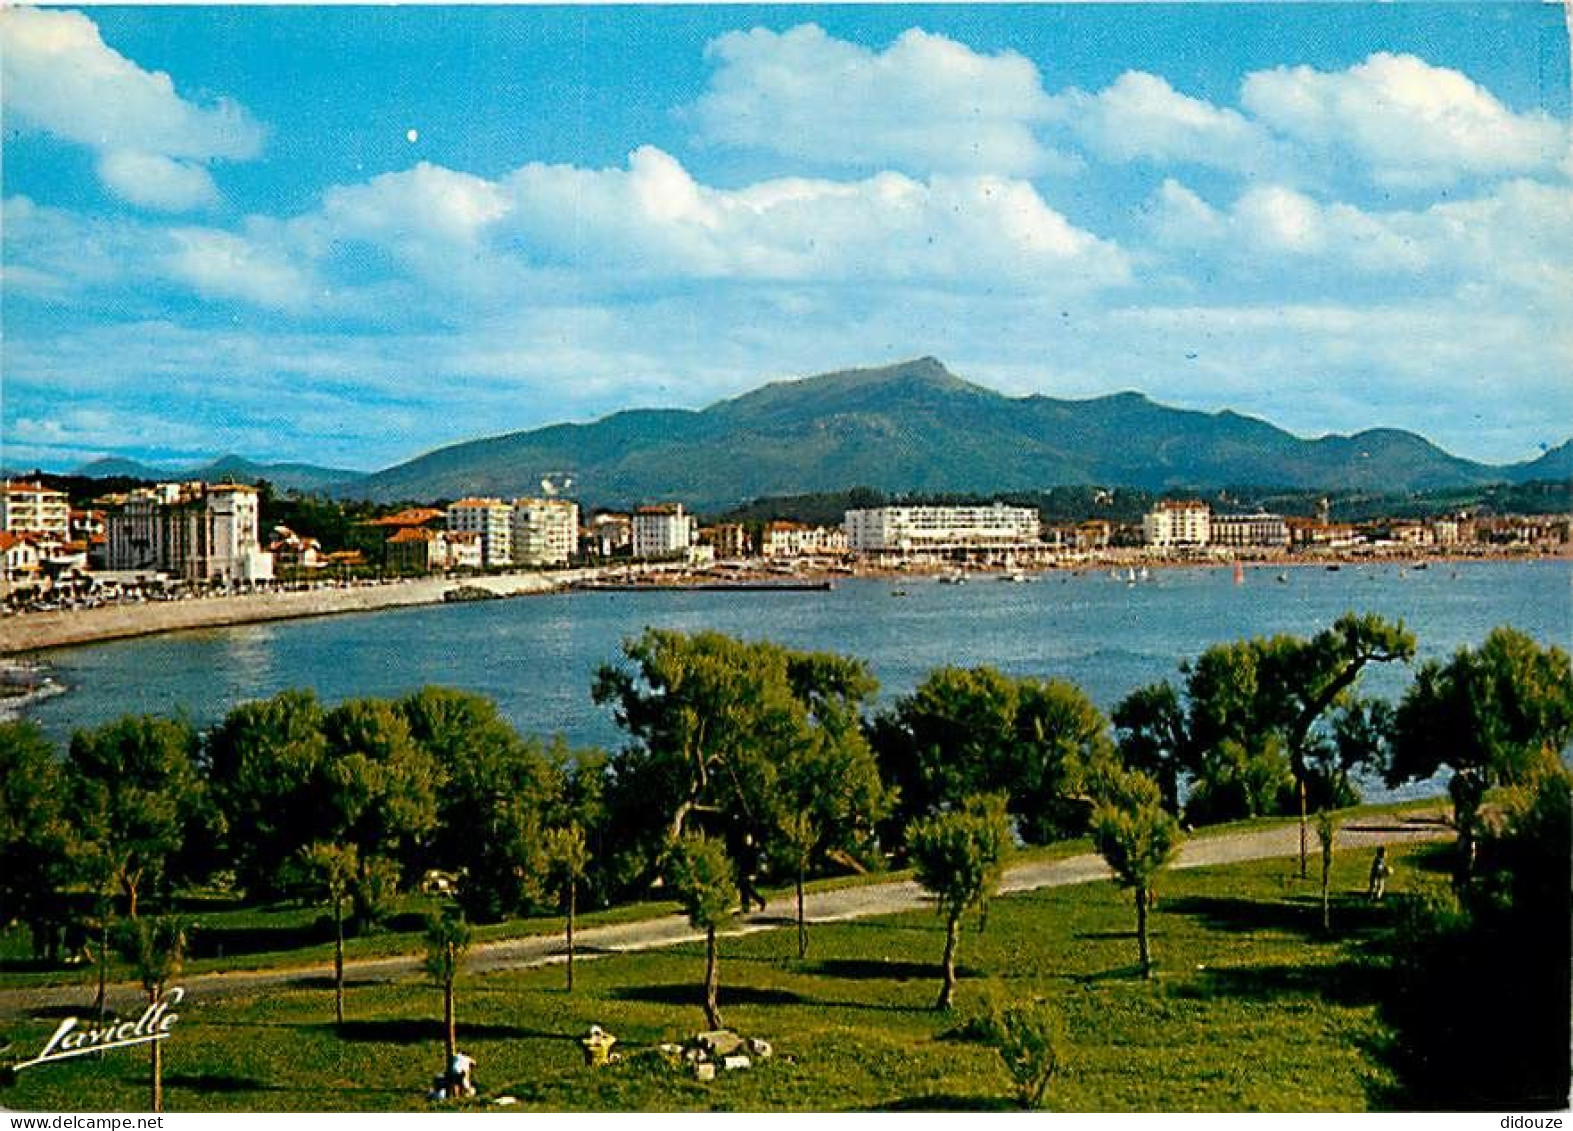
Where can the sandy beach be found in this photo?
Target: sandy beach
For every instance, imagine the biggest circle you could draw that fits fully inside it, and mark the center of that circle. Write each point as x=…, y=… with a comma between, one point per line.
x=32, y=632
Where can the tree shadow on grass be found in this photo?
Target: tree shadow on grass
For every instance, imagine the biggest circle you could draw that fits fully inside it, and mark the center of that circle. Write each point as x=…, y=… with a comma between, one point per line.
x=884, y=969
x=1346, y=983
x=414, y=1031
x=1301, y=915
x=940, y=1102
x=214, y=1083
x=223, y=942
x=325, y=982
x=692, y=993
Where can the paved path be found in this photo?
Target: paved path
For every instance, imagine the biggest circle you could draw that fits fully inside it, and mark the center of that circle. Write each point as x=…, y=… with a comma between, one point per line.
x=1361, y=834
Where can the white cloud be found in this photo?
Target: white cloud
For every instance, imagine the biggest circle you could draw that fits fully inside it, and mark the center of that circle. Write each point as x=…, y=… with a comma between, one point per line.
x=1410, y=123
x=151, y=180
x=1140, y=117
x=58, y=75
x=925, y=103
x=1506, y=245
x=224, y=265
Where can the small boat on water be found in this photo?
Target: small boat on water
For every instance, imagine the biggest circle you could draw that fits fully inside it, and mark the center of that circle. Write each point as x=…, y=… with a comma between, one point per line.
x=1014, y=575
x=1239, y=574
x=1283, y=579
x=898, y=592
x=952, y=579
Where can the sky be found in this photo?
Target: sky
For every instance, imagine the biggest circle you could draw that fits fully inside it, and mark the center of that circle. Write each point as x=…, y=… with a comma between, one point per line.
x=349, y=235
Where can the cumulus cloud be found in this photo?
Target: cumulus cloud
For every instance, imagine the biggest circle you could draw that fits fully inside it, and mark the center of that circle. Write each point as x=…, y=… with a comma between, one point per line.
x=1508, y=242
x=220, y=264
x=1140, y=117
x=1410, y=123
x=924, y=103
x=57, y=75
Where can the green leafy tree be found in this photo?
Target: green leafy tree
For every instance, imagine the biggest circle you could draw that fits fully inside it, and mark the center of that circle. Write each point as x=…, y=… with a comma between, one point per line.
x=381, y=790
x=1028, y=1040
x=493, y=797
x=730, y=734
x=1305, y=680
x=35, y=835
x=1136, y=837
x=155, y=947
x=134, y=792
x=336, y=867
x=263, y=765
x=699, y=875
x=569, y=858
x=958, y=857
x=447, y=942
x=1494, y=715
x=797, y=841
x=1151, y=734
x=966, y=731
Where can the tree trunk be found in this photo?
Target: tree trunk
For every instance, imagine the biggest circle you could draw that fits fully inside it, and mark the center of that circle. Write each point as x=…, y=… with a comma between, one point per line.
x=450, y=1029
x=947, y=990
x=1300, y=789
x=103, y=965
x=1141, y=932
x=129, y=884
x=712, y=982
x=1327, y=914
x=573, y=891
x=156, y=1067
x=802, y=923
x=338, y=961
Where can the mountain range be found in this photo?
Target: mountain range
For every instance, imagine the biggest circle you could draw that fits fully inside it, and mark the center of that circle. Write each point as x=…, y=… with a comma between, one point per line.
x=285, y=476
x=910, y=427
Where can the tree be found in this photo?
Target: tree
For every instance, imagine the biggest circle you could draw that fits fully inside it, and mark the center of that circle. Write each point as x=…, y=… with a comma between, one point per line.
x=336, y=867
x=1306, y=679
x=1494, y=715
x=966, y=731
x=1326, y=832
x=730, y=734
x=447, y=942
x=1136, y=837
x=958, y=857
x=35, y=835
x=1260, y=712
x=699, y=874
x=263, y=765
x=797, y=840
x=494, y=791
x=1027, y=1040
x=569, y=858
x=1150, y=732
x=133, y=793
x=155, y=947
x=381, y=793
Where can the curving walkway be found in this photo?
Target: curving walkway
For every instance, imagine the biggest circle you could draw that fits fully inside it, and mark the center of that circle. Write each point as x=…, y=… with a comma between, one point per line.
x=820, y=907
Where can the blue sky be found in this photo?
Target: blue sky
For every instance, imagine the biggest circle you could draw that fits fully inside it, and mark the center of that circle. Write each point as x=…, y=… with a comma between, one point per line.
x=348, y=235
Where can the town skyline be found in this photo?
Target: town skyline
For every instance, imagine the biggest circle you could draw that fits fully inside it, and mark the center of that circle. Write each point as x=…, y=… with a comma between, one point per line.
x=220, y=239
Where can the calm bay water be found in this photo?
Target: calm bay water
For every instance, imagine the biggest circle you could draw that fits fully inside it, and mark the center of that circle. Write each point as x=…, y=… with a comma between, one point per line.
x=536, y=655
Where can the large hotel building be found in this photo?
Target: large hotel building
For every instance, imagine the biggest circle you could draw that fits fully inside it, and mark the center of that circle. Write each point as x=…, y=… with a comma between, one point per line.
x=919, y=529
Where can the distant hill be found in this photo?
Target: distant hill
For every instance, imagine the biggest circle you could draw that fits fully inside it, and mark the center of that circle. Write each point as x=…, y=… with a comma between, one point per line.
x=916, y=427
x=284, y=476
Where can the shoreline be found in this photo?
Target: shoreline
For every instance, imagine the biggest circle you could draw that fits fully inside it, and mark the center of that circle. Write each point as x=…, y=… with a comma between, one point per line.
x=26, y=633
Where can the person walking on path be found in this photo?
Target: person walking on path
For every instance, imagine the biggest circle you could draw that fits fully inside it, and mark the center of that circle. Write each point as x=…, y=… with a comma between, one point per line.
x=1378, y=875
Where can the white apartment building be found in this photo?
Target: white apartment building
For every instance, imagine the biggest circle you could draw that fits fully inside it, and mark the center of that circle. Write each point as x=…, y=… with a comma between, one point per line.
x=1178, y=523
x=32, y=508
x=193, y=531
x=795, y=539
x=661, y=531
x=545, y=531
x=1254, y=530
x=492, y=521
x=908, y=529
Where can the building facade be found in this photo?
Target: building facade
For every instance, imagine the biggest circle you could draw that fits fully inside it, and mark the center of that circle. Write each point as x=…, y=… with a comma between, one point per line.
x=545, y=531
x=916, y=529
x=32, y=508
x=1178, y=523
x=194, y=531
x=1249, y=530
x=661, y=531
x=492, y=521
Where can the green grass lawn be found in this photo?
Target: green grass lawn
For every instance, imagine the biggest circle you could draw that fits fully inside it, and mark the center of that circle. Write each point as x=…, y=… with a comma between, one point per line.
x=1252, y=1009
